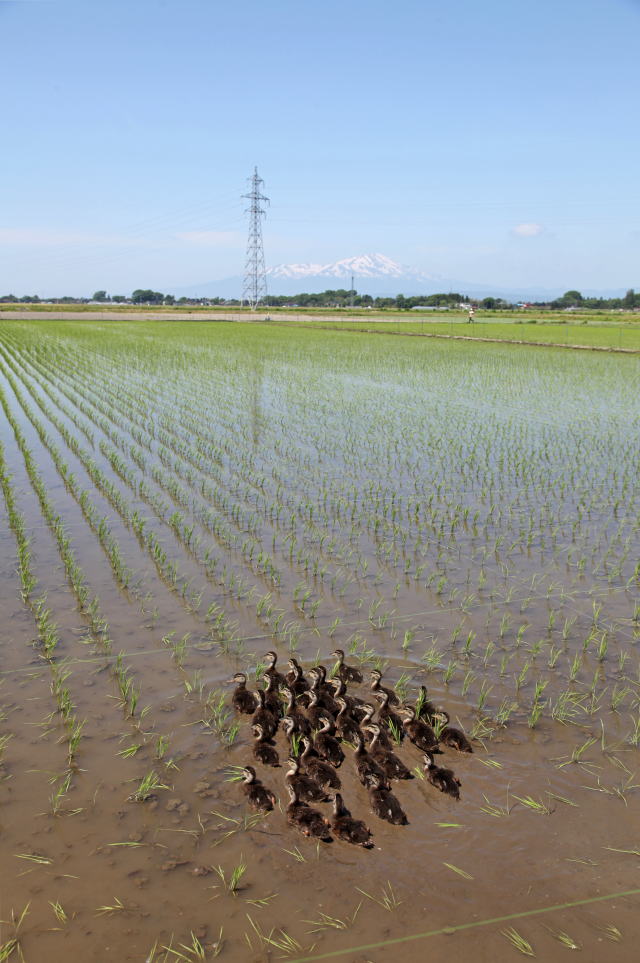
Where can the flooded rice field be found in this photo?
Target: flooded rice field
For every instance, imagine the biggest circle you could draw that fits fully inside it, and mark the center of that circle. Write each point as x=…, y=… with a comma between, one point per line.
x=180, y=499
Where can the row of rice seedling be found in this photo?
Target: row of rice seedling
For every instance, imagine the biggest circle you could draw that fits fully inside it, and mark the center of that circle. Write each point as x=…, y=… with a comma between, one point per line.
x=450, y=513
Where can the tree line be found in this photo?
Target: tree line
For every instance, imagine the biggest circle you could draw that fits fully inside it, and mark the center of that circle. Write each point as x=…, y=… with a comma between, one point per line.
x=343, y=298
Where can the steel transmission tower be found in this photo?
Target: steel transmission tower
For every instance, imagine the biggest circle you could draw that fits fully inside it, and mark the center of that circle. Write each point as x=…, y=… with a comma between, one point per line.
x=255, y=278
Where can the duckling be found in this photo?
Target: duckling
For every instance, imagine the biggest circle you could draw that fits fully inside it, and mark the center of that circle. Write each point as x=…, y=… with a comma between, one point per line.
x=242, y=699
x=346, y=673
x=303, y=725
x=355, y=705
x=385, y=805
x=452, y=737
x=324, y=689
x=425, y=709
x=388, y=718
x=320, y=771
x=295, y=680
x=392, y=766
x=309, y=821
x=419, y=732
x=443, y=779
x=346, y=726
x=262, y=751
x=306, y=788
x=315, y=713
x=258, y=796
x=351, y=830
x=271, y=659
x=327, y=745
x=264, y=717
x=367, y=718
x=272, y=698
x=376, y=687
x=367, y=768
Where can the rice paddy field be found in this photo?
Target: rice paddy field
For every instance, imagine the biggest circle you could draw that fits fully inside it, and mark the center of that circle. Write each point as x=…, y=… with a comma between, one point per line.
x=178, y=499
x=594, y=334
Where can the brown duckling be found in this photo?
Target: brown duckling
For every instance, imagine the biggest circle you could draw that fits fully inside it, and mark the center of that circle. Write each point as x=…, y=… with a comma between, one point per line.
x=443, y=779
x=383, y=738
x=309, y=821
x=272, y=699
x=346, y=726
x=303, y=725
x=315, y=713
x=425, y=709
x=421, y=734
x=391, y=765
x=366, y=766
x=319, y=770
x=376, y=687
x=262, y=751
x=271, y=659
x=324, y=689
x=452, y=737
x=295, y=679
x=242, y=699
x=389, y=719
x=264, y=717
x=258, y=796
x=346, y=673
x=328, y=746
x=347, y=828
x=356, y=706
x=385, y=805
x=307, y=789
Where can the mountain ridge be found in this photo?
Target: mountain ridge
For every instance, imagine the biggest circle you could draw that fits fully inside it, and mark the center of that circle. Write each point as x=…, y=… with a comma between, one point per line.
x=377, y=275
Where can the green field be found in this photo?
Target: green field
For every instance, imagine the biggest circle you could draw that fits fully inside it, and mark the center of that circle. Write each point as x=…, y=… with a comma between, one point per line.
x=178, y=499
x=612, y=335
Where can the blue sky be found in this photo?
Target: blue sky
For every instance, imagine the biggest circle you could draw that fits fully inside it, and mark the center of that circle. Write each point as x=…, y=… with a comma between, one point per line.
x=495, y=142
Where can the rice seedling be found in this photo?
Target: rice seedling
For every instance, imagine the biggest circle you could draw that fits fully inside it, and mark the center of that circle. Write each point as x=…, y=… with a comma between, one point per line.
x=458, y=871
x=536, y=805
x=111, y=909
x=276, y=938
x=59, y=912
x=327, y=922
x=518, y=941
x=388, y=900
x=231, y=884
x=147, y=787
x=12, y=945
x=493, y=809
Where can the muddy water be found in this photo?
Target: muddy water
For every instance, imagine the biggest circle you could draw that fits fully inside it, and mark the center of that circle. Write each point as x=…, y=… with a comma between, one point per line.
x=446, y=512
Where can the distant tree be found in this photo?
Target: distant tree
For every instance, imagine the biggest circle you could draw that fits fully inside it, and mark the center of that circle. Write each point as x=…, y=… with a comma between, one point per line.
x=146, y=296
x=631, y=300
x=119, y=298
x=169, y=299
x=100, y=296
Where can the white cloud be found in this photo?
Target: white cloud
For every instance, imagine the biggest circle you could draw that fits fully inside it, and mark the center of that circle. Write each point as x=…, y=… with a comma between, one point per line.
x=528, y=230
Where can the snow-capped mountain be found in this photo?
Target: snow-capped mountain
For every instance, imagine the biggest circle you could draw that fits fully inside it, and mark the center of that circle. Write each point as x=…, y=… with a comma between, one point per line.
x=374, y=274
x=362, y=266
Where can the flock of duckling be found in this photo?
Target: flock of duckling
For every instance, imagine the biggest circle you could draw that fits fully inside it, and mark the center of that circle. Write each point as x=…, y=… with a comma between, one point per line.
x=317, y=714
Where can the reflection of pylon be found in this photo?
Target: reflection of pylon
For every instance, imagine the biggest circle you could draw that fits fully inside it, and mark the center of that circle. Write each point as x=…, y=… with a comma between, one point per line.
x=255, y=278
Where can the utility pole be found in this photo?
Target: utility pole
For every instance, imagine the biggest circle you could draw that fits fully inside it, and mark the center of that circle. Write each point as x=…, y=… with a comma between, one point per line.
x=255, y=278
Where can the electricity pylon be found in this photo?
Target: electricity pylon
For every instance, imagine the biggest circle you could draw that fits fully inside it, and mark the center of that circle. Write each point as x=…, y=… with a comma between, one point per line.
x=255, y=277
